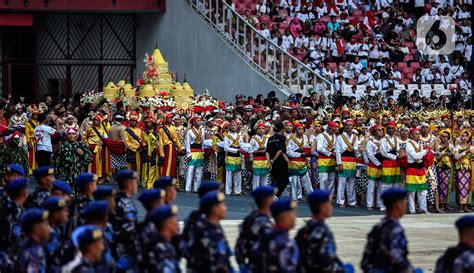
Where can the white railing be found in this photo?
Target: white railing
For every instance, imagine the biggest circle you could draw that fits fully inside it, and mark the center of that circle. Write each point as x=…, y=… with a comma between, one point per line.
x=289, y=73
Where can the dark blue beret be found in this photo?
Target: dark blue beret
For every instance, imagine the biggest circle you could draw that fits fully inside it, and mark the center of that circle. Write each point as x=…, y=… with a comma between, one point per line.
x=84, y=179
x=33, y=216
x=53, y=204
x=62, y=186
x=318, y=197
x=124, y=175
x=150, y=195
x=161, y=213
x=95, y=208
x=88, y=235
x=263, y=192
x=282, y=205
x=208, y=186
x=42, y=172
x=16, y=185
x=164, y=181
x=211, y=198
x=102, y=192
x=465, y=222
x=15, y=168
x=394, y=194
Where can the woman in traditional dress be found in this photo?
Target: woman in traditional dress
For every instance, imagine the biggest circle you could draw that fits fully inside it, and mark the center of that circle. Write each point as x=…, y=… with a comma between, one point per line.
x=315, y=130
x=462, y=154
x=73, y=157
x=444, y=156
x=429, y=140
x=403, y=139
x=416, y=172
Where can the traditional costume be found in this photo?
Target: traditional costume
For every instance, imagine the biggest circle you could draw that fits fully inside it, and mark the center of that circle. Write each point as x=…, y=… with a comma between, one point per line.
x=233, y=162
x=93, y=138
x=69, y=163
x=194, y=152
x=444, y=168
x=298, y=166
x=416, y=174
x=346, y=148
x=463, y=171
x=152, y=153
x=218, y=146
x=171, y=147
x=327, y=158
x=30, y=135
x=389, y=147
x=260, y=166
x=134, y=140
x=374, y=172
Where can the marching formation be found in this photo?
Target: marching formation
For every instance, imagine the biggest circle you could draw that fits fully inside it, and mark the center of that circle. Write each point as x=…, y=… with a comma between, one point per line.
x=96, y=229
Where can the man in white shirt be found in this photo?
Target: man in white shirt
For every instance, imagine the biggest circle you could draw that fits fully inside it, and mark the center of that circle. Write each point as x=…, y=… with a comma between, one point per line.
x=364, y=77
x=287, y=39
x=456, y=69
x=44, y=146
x=397, y=76
x=356, y=66
x=301, y=41
x=376, y=82
x=446, y=78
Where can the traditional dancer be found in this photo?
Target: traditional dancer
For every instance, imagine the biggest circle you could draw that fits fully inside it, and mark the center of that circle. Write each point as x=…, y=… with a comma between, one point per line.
x=374, y=169
x=346, y=148
x=171, y=146
x=260, y=165
x=462, y=154
x=428, y=139
x=195, y=154
x=93, y=138
x=416, y=172
x=152, y=152
x=134, y=140
x=444, y=156
x=298, y=149
x=30, y=135
x=218, y=146
x=233, y=161
x=327, y=157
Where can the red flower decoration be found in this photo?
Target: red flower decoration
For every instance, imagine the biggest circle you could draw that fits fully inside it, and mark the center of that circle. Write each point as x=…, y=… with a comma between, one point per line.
x=140, y=82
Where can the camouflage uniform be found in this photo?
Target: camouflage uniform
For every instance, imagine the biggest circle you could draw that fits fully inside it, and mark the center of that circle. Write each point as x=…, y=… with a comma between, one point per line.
x=254, y=227
x=32, y=257
x=107, y=263
x=280, y=253
x=458, y=259
x=386, y=249
x=212, y=251
x=69, y=164
x=75, y=208
x=125, y=226
x=162, y=257
x=143, y=243
x=317, y=249
x=36, y=199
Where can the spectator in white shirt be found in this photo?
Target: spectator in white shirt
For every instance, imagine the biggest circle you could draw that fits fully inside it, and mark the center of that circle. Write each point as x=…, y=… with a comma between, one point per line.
x=364, y=77
x=44, y=146
x=389, y=82
x=446, y=77
x=325, y=42
x=347, y=72
x=397, y=76
x=301, y=41
x=321, y=10
x=468, y=50
x=457, y=70
x=287, y=40
x=465, y=83
x=418, y=78
x=356, y=66
x=351, y=50
x=376, y=82
x=433, y=76
x=302, y=14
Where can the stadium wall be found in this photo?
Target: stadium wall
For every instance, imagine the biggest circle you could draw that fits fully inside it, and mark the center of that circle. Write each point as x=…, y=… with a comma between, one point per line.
x=190, y=46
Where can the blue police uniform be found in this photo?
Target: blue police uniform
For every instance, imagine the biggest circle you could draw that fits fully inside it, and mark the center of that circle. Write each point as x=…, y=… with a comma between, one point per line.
x=257, y=225
x=80, y=202
x=37, y=197
x=160, y=254
x=211, y=251
x=316, y=242
x=387, y=246
x=54, y=248
x=85, y=236
x=279, y=252
x=62, y=186
x=32, y=257
x=125, y=224
x=458, y=259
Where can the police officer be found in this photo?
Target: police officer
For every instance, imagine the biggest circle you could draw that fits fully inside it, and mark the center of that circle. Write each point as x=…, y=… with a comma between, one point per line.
x=279, y=251
x=86, y=184
x=58, y=217
x=32, y=257
x=96, y=214
x=125, y=217
x=161, y=255
x=12, y=172
x=90, y=240
x=44, y=177
x=255, y=226
x=194, y=224
x=62, y=190
x=316, y=241
x=460, y=258
x=212, y=251
x=387, y=247
x=150, y=199
x=168, y=184
x=10, y=211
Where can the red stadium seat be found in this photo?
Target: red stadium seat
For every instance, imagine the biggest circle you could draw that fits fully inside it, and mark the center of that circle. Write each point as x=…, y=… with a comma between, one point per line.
x=408, y=58
x=405, y=81
x=413, y=51
x=352, y=82
x=401, y=66
x=410, y=44
x=265, y=19
x=409, y=75
x=415, y=65
x=407, y=70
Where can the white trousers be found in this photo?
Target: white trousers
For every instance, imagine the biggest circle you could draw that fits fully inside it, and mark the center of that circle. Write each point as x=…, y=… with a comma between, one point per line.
x=233, y=178
x=259, y=180
x=194, y=173
x=386, y=187
x=421, y=199
x=326, y=182
x=374, y=189
x=299, y=182
x=346, y=183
